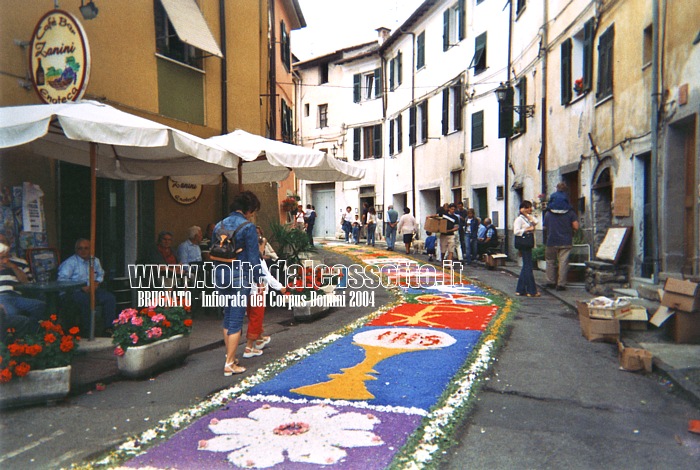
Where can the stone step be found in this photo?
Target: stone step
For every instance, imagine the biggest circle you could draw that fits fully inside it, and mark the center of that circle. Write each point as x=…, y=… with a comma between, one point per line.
x=646, y=288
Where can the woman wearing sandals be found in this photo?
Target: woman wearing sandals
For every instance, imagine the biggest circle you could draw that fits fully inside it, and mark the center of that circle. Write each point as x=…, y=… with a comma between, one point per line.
x=255, y=341
x=525, y=222
x=234, y=279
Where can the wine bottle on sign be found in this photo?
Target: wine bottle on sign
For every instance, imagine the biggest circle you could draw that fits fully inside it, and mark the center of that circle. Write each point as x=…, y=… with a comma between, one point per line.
x=40, y=74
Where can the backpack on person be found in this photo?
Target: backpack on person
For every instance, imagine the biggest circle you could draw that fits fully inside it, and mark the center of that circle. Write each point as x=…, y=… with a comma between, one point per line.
x=224, y=248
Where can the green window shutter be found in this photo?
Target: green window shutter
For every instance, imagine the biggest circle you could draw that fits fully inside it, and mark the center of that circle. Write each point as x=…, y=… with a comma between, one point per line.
x=391, y=136
x=459, y=92
x=479, y=59
x=445, y=111
x=523, y=102
x=566, y=72
x=478, y=130
x=462, y=19
x=356, y=143
x=378, y=83
x=412, y=126
x=605, y=62
x=588, y=54
x=399, y=68
x=424, y=121
x=420, y=51
x=446, y=30
x=399, y=134
x=392, y=72
x=505, y=115
x=356, y=88
x=377, y=134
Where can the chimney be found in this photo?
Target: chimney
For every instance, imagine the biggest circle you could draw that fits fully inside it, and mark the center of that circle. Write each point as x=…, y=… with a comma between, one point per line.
x=383, y=34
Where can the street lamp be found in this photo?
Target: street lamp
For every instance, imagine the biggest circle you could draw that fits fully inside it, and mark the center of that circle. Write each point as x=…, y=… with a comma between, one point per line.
x=504, y=94
x=88, y=11
x=334, y=150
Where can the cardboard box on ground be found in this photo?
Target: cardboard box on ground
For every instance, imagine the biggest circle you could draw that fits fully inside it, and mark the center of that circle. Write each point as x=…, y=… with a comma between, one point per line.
x=597, y=329
x=435, y=225
x=496, y=260
x=634, y=359
x=680, y=301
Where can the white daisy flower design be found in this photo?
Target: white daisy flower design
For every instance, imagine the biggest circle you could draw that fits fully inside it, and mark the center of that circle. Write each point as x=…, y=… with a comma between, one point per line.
x=313, y=434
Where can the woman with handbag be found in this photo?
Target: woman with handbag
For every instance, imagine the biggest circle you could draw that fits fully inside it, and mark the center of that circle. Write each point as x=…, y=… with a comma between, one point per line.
x=524, y=232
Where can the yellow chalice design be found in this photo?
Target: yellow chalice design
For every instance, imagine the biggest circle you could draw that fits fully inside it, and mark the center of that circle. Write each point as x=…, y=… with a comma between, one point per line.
x=378, y=344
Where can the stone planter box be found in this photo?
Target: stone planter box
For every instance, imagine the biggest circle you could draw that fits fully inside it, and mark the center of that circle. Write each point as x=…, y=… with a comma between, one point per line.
x=38, y=386
x=142, y=361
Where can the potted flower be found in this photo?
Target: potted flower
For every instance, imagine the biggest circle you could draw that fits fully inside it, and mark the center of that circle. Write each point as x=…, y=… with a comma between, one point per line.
x=151, y=338
x=578, y=86
x=289, y=204
x=36, y=367
x=538, y=257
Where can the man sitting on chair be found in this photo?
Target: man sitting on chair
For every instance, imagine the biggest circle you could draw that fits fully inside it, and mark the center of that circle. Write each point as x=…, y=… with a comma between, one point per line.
x=14, y=271
x=76, y=268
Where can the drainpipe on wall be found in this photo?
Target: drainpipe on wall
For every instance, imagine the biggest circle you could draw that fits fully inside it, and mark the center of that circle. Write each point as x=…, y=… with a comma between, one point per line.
x=224, y=97
x=413, y=97
x=273, y=71
x=506, y=189
x=543, y=110
x=655, y=137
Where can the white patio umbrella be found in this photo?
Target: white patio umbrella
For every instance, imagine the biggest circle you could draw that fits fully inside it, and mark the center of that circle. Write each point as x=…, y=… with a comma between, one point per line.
x=112, y=143
x=265, y=160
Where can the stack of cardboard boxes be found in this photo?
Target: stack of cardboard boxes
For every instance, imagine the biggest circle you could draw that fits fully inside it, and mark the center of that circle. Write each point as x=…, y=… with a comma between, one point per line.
x=680, y=301
x=601, y=323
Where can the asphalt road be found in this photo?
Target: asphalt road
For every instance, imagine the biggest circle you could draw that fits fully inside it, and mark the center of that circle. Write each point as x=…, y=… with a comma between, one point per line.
x=553, y=400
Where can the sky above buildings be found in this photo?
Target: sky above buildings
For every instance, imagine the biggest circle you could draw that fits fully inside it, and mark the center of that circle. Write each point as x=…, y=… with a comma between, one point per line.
x=335, y=24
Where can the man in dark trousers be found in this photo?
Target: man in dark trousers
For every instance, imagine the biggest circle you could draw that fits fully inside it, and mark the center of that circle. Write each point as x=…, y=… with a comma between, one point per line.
x=560, y=233
x=310, y=222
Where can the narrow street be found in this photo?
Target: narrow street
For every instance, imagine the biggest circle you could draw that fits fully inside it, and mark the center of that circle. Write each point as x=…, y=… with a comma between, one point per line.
x=550, y=400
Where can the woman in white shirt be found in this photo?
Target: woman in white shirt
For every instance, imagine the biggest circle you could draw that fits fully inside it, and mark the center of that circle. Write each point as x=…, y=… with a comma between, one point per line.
x=371, y=225
x=299, y=218
x=524, y=223
x=407, y=227
x=346, y=223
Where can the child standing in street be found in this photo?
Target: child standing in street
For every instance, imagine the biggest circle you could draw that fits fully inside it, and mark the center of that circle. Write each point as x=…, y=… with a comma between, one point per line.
x=430, y=245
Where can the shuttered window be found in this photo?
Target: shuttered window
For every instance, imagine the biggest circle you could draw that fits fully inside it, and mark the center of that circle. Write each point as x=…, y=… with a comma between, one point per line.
x=605, y=64
x=445, y=111
x=566, y=85
x=420, y=51
x=477, y=130
x=412, y=126
x=399, y=133
x=479, y=60
x=356, y=88
x=588, y=30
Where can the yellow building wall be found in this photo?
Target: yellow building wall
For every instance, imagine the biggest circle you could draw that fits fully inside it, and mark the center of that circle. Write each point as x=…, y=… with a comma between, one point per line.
x=124, y=74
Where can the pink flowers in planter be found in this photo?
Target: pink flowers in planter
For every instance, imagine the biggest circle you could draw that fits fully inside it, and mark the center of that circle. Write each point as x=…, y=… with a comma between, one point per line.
x=148, y=325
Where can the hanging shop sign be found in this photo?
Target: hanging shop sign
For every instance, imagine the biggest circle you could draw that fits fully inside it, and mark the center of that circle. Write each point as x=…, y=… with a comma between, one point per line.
x=184, y=193
x=59, y=58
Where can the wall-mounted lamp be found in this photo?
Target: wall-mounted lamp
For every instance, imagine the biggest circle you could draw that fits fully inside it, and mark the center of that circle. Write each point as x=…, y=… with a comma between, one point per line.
x=88, y=11
x=334, y=150
x=504, y=94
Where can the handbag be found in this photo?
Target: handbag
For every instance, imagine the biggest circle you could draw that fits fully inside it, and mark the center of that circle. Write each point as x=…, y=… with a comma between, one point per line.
x=526, y=241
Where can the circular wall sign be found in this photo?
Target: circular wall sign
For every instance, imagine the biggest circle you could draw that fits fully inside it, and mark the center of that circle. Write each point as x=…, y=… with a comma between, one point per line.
x=59, y=58
x=184, y=193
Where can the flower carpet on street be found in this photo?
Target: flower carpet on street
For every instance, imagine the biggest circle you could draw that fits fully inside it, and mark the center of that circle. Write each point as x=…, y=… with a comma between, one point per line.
x=383, y=392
